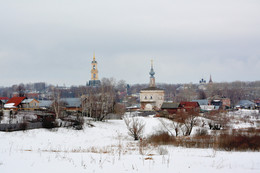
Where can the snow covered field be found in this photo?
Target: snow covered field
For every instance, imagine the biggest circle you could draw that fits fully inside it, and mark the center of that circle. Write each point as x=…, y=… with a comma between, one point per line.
x=108, y=148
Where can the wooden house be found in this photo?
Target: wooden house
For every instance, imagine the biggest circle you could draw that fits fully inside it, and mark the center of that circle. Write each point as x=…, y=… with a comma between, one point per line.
x=170, y=107
x=30, y=104
x=14, y=103
x=189, y=106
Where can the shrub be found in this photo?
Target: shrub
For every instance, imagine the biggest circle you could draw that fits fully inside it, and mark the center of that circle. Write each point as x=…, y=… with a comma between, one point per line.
x=1, y=116
x=23, y=126
x=48, y=123
x=196, y=142
x=239, y=142
x=135, y=127
x=78, y=124
x=162, y=138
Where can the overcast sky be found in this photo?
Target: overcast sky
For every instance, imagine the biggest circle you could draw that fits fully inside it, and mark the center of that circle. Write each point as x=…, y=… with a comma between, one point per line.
x=53, y=40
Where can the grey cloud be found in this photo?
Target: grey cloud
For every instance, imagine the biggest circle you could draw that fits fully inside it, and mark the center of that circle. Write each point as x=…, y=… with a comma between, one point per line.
x=187, y=40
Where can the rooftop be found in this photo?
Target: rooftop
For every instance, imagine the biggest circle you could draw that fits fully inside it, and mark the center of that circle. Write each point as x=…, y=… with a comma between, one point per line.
x=167, y=105
x=16, y=100
x=152, y=88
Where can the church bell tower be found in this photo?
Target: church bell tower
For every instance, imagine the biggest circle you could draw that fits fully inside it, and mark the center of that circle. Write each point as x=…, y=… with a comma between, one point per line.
x=94, y=70
x=94, y=73
x=152, y=73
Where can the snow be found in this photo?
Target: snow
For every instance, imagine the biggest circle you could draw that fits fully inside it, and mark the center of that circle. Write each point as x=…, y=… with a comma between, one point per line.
x=244, y=118
x=9, y=105
x=19, y=118
x=107, y=147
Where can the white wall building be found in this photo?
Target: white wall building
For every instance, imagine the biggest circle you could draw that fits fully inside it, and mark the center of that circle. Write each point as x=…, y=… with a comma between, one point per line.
x=151, y=98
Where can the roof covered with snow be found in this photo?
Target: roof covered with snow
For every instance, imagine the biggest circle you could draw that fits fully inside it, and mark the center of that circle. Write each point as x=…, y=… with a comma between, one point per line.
x=16, y=100
x=9, y=105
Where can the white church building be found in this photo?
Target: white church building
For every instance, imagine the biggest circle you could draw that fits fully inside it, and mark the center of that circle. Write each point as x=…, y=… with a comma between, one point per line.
x=151, y=98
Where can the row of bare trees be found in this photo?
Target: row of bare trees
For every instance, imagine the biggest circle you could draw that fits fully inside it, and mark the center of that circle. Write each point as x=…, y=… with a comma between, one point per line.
x=98, y=102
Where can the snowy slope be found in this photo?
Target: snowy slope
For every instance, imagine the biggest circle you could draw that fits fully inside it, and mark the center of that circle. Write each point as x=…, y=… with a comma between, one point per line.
x=108, y=148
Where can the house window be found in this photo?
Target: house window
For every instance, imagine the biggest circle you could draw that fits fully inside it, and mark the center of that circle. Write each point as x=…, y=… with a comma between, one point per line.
x=151, y=97
x=145, y=97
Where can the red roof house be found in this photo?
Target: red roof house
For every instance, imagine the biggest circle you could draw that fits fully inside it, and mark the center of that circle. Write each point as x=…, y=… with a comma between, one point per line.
x=4, y=98
x=189, y=106
x=15, y=101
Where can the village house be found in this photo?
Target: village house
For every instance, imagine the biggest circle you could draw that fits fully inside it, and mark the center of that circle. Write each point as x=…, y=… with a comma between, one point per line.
x=3, y=100
x=133, y=108
x=30, y=104
x=67, y=104
x=1, y=104
x=45, y=104
x=257, y=102
x=204, y=105
x=14, y=103
x=170, y=107
x=220, y=102
x=72, y=104
x=21, y=103
x=189, y=106
x=245, y=104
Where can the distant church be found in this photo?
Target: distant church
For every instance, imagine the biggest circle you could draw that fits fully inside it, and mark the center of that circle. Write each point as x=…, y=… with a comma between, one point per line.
x=95, y=82
x=151, y=98
x=202, y=83
x=210, y=80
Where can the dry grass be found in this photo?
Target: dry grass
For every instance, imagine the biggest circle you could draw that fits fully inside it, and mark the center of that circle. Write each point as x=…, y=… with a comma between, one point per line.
x=161, y=138
x=237, y=140
x=148, y=158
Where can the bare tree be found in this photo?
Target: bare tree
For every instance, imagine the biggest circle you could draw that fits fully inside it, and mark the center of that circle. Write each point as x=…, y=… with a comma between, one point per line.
x=135, y=127
x=174, y=125
x=56, y=106
x=98, y=102
x=21, y=90
x=182, y=121
x=187, y=93
x=119, y=109
x=201, y=94
x=189, y=120
x=121, y=86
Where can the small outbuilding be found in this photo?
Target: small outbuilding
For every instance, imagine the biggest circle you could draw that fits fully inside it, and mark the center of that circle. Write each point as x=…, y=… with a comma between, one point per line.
x=170, y=107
